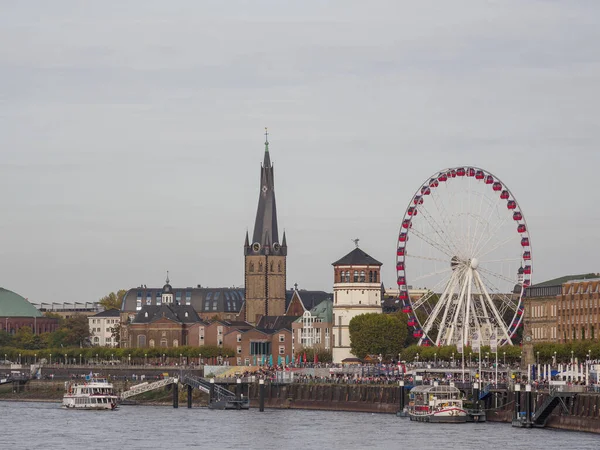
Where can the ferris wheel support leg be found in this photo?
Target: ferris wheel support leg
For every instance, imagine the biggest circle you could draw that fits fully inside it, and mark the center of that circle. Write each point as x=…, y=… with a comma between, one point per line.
x=443, y=326
x=465, y=329
x=444, y=299
x=457, y=312
x=494, y=310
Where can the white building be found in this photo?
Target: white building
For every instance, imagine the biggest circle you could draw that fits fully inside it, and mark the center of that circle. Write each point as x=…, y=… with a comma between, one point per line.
x=102, y=326
x=356, y=290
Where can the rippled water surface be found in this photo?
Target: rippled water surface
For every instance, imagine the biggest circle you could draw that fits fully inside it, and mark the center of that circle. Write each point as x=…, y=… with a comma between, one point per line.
x=46, y=426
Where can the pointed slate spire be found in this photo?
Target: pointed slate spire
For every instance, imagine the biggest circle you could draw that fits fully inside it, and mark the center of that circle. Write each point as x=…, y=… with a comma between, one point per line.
x=265, y=238
x=247, y=241
x=284, y=242
x=267, y=161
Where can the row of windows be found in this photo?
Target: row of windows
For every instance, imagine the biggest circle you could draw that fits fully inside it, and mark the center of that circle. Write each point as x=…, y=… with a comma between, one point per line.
x=163, y=342
x=358, y=277
x=577, y=333
x=260, y=267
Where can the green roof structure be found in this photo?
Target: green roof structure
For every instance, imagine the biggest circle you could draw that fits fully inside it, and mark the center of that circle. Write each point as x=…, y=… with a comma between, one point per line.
x=13, y=305
x=566, y=278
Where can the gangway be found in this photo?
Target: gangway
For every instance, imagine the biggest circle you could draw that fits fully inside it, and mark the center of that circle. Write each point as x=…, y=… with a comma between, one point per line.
x=220, y=398
x=556, y=397
x=145, y=387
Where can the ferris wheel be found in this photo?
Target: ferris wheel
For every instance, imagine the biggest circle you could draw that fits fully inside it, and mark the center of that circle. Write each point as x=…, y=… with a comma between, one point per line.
x=463, y=259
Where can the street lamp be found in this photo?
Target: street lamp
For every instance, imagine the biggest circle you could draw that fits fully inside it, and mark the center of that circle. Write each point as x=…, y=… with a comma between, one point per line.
x=417, y=357
x=180, y=359
x=96, y=358
x=452, y=359
x=80, y=359
x=145, y=358
x=65, y=359
x=19, y=358
x=572, y=357
x=50, y=358
x=35, y=358
x=537, y=360
x=434, y=358
x=129, y=359
x=554, y=359
x=504, y=358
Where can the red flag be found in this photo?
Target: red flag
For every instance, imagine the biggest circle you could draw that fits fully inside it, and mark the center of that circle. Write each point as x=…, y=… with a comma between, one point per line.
x=316, y=358
x=304, y=357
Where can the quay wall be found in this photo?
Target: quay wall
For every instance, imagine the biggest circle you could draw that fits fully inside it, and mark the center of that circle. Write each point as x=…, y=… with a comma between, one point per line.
x=583, y=411
x=332, y=397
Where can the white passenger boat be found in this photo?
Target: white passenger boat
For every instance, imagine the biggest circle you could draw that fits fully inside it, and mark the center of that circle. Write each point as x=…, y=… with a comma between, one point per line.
x=437, y=404
x=93, y=393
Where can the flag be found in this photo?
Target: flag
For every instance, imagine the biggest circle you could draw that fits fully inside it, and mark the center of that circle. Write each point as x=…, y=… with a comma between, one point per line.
x=476, y=344
x=494, y=342
x=459, y=346
x=316, y=358
x=304, y=358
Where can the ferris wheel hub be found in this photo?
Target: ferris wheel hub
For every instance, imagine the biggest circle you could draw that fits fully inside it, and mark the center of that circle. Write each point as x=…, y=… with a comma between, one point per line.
x=474, y=263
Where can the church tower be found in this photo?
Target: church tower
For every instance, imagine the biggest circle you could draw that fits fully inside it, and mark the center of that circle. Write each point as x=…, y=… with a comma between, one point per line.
x=265, y=256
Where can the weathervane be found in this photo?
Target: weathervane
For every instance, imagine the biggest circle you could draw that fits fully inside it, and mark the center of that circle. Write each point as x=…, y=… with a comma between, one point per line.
x=355, y=241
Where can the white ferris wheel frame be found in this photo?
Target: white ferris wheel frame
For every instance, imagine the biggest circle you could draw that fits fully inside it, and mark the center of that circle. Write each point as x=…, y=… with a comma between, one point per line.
x=465, y=297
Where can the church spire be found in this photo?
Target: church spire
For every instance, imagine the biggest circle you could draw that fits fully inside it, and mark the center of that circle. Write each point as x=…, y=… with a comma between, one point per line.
x=265, y=239
x=267, y=161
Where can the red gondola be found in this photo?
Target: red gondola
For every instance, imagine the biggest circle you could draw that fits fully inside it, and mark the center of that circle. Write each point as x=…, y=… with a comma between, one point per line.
x=489, y=179
x=479, y=175
x=401, y=281
x=403, y=296
x=418, y=200
x=525, y=242
x=411, y=322
x=443, y=177
x=527, y=255
x=425, y=190
x=526, y=283
x=504, y=195
x=426, y=344
x=521, y=228
x=520, y=312
x=418, y=333
x=400, y=265
x=403, y=237
x=412, y=211
x=460, y=172
x=434, y=183
x=406, y=224
x=400, y=251
x=517, y=215
x=497, y=186
x=527, y=270
x=470, y=172
x=406, y=309
x=453, y=173
x=511, y=204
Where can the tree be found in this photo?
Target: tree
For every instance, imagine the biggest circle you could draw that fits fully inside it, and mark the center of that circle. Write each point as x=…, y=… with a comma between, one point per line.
x=113, y=300
x=5, y=339
x=52, y=315
x=24, y=338
x=373, y=334
x=116, y=333
x=76, y=331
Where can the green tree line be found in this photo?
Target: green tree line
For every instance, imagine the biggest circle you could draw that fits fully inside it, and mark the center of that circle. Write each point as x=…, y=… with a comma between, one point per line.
x=107, y=353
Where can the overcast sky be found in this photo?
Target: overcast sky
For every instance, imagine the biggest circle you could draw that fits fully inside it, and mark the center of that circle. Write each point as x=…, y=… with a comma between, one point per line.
x=131, y=132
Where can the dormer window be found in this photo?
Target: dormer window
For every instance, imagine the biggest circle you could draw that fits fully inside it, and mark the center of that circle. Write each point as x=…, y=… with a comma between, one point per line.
x=186, y=314
x=146, y=314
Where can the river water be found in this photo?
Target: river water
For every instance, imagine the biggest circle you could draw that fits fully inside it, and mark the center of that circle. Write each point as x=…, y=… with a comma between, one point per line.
x=47, y=426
